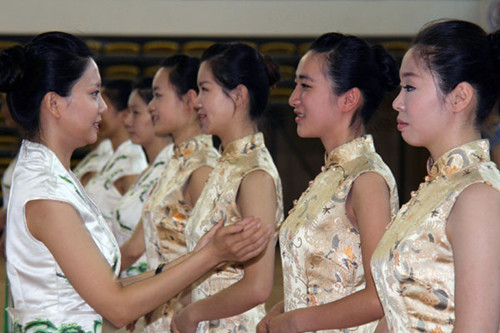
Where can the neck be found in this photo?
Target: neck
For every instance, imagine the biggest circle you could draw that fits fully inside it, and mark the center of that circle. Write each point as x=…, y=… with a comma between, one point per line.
x=186, y=133
x=339, y=137
x=236, y=132
x=62, y=150
x=154, y=147
x=451, y=140
x=119, y=137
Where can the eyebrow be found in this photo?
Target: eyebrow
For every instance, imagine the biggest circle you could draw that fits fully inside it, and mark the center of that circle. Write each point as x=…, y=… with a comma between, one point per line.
x=203, y=82
x=304, y=77
x=408, y=74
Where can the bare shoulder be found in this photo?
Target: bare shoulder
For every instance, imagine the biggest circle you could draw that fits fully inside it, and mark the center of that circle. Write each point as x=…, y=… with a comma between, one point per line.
x=257, y=196
x=369, y=185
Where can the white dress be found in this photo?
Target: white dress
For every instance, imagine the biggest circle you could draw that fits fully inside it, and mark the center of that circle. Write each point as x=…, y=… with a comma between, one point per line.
x=128, y=159
x=44, y=300
x=128, y=212
x=95, y=160
x=7, y=182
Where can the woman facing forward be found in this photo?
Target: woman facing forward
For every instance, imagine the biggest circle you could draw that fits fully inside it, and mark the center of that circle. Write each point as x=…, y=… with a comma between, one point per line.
x=437, y=266
x=62, y=257
x=329, y=236
x=234, y=82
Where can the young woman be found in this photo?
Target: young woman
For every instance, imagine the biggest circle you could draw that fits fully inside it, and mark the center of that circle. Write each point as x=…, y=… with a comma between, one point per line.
x=62, y=257
x=234, y=82
x=159, y=151
x=329, y=236
x=120, y=172
x=160, y=234
x=437, y=266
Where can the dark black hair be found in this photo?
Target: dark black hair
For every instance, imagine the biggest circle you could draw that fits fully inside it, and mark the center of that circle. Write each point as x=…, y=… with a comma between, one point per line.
x=118, y=91
x=52, y=61
x=144, y=88
x=184, y=72
x=352, y=63
x=237, y=63
x=459, y=51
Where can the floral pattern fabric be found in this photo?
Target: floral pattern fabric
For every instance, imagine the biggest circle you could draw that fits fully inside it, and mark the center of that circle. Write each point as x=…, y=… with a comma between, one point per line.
x=218, y=202
x=166, y=212
x=320, y=248
x=43, y=297
x=127, y=214
x=413, y=263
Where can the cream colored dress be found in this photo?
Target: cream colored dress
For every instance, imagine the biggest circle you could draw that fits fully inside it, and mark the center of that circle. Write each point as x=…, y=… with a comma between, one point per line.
x=413, y=263
x=127, y=213
x=165, y=212
x=95, y=160
x=128, y=159
x=320, y=248
x=218, y=202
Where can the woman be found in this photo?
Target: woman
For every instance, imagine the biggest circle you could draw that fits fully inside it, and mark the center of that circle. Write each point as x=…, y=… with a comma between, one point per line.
x=159, y=150
x=329, y=236
x=234, y=82
x=436, y=268
x=62, y=257
x=120, y=172
x=160, y=234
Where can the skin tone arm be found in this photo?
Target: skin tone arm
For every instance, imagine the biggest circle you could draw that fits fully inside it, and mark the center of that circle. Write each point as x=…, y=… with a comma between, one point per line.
x=133, y=248
x=123, y=184
x=59, y=227
x=257, y=197
x=473, y=229
x=368, y=208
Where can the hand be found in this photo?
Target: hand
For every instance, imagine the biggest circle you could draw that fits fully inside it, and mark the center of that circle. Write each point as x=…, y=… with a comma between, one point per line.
x=283, y=323
x=206, y=238
x=182, y=323
x=276, y=310
x=241, y=241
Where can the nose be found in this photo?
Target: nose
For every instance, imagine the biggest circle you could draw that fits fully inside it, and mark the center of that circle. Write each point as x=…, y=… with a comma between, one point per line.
x=127, y=118
x=197, y=103
x=398, y=104
x=102, y=106
x=151, y=106
x=293, y=101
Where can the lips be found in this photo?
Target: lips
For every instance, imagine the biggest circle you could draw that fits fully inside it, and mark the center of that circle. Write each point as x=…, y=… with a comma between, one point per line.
x=401, y=124
x=298, y=116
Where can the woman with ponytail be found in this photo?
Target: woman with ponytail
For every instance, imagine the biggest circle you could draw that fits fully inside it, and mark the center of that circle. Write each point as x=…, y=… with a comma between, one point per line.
x=62, y=257
x=234, y=82
x=437, y=266
x=329, y=236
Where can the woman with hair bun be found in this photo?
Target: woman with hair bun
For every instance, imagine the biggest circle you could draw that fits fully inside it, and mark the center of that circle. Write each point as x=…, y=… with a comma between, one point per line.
x=437, y=266
x=62, y=257
x=234, y=82
x=329, y=236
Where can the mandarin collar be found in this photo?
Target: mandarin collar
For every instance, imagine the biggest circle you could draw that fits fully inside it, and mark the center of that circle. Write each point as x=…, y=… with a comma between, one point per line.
x=193, y=144
x=349, y=151
x=458, y=159
x=242, y=146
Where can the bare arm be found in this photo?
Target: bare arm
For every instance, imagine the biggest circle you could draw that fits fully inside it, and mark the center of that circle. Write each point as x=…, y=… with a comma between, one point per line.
x=195, y=184
x=473, y=229
x=123, y=184
x=58, y=225
x=257, y=197
x=369, y=206
x=133, y=248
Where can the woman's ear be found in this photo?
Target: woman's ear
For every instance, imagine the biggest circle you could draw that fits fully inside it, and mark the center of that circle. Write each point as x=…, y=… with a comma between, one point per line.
x=351, y=100
x=462, y=97
x=53, y=103
x=240, y=95
x=189, y=98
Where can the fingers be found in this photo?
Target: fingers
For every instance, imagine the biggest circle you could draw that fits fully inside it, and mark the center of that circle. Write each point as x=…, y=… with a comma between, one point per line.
x=262, y=326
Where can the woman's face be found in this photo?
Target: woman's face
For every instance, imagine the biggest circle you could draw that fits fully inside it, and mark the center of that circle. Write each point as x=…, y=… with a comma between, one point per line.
x=313, y=99
x=137, y=120
x=423, y=114
x=215, y=108
x=166, y=104
x=84, y=107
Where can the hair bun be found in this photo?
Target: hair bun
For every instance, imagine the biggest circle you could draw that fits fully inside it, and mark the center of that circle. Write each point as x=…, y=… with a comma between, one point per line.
x=388, y=66
x=11, y=67
x=273, y=69
x=494, y=40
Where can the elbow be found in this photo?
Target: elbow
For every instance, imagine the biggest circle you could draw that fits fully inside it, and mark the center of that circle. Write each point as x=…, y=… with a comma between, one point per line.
x=118, y=317
x=261, y=293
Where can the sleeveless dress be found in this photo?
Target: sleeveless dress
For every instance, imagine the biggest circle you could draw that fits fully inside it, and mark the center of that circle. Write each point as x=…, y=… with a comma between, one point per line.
x=95, y=160
x=44, y=300
x=218, y=201
x=7, y=182
x=165, y=212
x=128, y=159
x=320, y=248
x=127, y=214
x=413, y=264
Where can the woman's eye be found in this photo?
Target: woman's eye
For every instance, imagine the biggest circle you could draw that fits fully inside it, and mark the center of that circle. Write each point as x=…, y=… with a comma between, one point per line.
x=95, y=93
x=408, y=88
x=305, y=86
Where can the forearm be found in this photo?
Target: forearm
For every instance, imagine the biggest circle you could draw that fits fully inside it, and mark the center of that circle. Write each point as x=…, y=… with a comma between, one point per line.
x=236, y=299
x=354, y=310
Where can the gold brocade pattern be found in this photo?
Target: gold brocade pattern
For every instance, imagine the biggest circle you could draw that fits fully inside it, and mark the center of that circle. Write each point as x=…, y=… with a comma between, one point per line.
x=218, y=202
x=413, y=263
x=165, y=212
x=320, y=248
